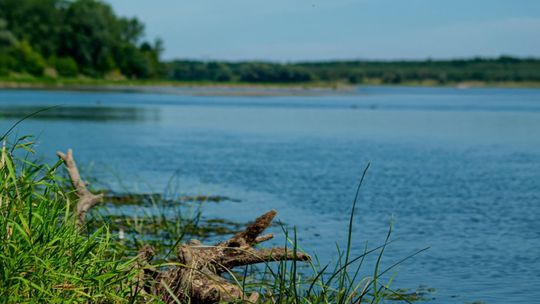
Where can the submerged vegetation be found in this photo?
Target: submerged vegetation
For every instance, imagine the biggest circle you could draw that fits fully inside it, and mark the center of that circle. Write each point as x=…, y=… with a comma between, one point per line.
x=47, y=256
x=83, y=42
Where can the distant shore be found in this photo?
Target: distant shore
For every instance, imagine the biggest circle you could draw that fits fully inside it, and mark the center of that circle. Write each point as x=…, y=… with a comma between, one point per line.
x=180, y=87
x=228, y=88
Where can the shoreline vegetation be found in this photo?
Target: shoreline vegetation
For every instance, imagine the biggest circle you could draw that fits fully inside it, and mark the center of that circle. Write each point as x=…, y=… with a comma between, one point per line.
x=208, y=88
x=59, y=244
x=84, y=45
x=196, y=88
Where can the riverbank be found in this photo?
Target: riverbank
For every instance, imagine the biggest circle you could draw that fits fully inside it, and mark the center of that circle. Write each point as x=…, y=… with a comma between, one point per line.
x=206, y=88
x=197, y=88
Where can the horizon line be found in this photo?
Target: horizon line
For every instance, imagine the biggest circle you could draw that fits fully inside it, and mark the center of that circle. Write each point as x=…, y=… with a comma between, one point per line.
x=427, y=59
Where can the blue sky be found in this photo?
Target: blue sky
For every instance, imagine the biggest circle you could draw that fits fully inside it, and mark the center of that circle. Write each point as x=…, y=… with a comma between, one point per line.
x=291, y=30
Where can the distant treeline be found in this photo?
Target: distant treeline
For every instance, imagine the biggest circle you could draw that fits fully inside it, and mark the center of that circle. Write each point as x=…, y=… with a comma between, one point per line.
x=74, y=38
x=356, y=72
x=69, y=38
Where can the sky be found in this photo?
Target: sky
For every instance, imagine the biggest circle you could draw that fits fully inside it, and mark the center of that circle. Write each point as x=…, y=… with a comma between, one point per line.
x=297, y=30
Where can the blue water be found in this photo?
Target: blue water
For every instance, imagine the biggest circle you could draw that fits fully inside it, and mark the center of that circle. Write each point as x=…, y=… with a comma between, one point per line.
x=456, y=170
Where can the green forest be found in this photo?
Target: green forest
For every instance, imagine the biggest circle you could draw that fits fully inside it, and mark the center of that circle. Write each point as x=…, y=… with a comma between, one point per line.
x=85, y=39
x=502, y=69
x=71, y=38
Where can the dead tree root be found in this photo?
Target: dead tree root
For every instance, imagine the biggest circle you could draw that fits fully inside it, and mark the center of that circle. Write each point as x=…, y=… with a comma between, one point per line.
x=198, y=276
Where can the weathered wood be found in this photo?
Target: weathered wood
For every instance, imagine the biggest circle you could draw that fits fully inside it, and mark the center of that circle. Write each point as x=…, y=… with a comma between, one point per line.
x=87, y=199
x=198, y=278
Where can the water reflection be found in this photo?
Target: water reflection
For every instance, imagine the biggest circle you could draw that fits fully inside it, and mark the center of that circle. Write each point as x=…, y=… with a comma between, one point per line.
x=88, y=113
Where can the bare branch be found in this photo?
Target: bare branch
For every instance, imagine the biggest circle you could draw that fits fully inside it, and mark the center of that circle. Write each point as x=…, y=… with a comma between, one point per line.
x=87, y=199
x=199, y=279
x=254, y=256
x=249, y=235
x=264, y=238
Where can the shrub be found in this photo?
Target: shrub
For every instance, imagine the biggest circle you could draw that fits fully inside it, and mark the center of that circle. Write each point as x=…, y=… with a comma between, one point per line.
x=66, y=66
x=27, y=60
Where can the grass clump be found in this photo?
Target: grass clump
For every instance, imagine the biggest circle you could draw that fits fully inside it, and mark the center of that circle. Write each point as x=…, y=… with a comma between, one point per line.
x=44, y=257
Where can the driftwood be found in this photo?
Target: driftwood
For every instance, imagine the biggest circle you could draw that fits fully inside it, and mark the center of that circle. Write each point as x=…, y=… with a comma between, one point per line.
x=87, y=199
x=198, y=278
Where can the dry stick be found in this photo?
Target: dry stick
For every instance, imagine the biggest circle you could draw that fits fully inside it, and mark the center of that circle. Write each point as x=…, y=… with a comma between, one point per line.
x=200, y=281
x=87, y=199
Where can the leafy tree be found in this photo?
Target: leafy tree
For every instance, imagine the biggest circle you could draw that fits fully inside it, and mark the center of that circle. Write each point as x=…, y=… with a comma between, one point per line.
x=89, y=36
x=39, y=22
x=85, y=34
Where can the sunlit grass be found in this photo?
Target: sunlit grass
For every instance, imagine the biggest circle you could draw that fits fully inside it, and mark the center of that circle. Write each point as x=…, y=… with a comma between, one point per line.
x=43, y=255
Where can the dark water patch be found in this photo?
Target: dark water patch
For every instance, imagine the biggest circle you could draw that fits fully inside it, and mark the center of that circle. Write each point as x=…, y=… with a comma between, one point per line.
x=207, y=198
x=84, y=113
x=134, y=199
x=422, y=293
x=149, y=199
x=157, y=226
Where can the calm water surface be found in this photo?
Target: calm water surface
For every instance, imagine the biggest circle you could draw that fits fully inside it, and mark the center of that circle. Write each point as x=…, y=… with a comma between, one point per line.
x=457, y=170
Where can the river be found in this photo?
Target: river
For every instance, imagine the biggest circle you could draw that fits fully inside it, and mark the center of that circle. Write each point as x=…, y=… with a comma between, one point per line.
x=455, y=170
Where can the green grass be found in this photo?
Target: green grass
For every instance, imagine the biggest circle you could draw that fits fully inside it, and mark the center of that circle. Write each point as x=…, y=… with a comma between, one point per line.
x=46, y=258
x=43, y=256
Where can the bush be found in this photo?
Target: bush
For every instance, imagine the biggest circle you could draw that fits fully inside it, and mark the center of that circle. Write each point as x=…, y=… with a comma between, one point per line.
x=27, y=60
x=6, y=63
x=66, y=67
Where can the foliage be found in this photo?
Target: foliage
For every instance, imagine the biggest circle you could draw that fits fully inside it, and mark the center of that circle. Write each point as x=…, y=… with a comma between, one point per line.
x=255, y=72
x=25, y=59
x=356, y=72
x=87, y=31
x=37, y=21
x=499, y=69
x=66, y=66
x=7, y=38
x=43, y=256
